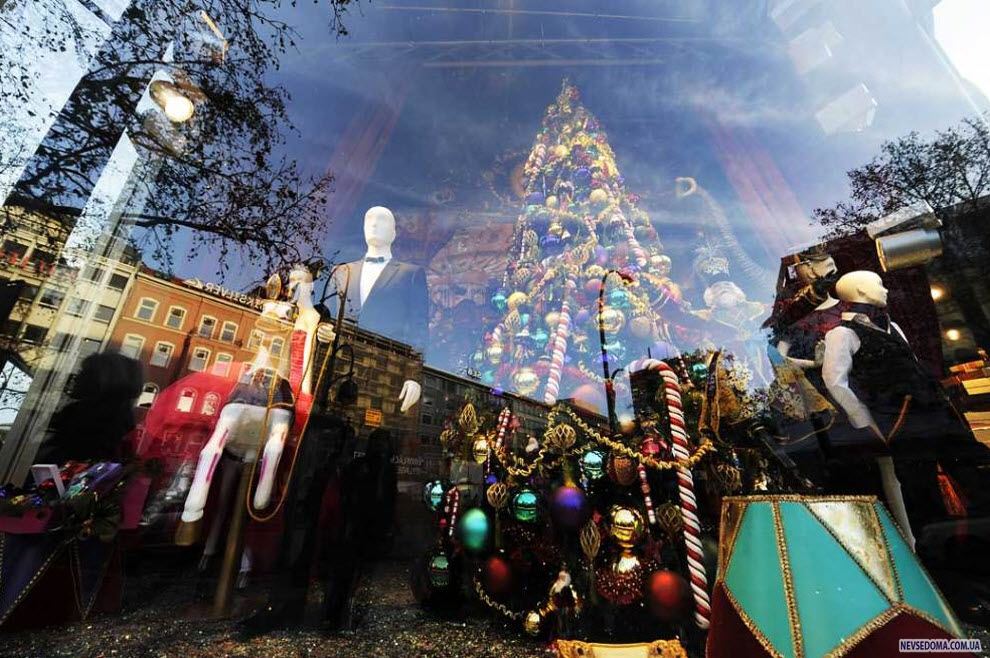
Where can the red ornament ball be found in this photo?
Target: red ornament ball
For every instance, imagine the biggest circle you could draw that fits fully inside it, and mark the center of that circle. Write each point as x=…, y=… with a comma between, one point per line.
x=668, y=595
x=497, y=575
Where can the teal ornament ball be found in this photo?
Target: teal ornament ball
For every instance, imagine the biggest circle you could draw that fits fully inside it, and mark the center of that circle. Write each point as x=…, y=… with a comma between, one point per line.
x=439, y=571
x=433, y=494
x=619, y=297
x=499, y=300
x=540, y=336
x=474, y=530
x=593, y=464
x=524, y=506
x=699, y=371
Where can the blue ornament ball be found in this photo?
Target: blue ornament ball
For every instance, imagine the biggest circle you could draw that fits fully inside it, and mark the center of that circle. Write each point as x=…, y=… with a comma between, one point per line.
x=475, y=530
x=433, y=494
x=593, y=464
x=569, y=507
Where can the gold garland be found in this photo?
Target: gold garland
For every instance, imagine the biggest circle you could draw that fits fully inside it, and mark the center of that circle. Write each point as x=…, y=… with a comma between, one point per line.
x=495, y=605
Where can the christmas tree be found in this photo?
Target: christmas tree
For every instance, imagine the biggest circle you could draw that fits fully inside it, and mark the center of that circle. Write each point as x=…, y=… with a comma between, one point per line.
x=579, y=225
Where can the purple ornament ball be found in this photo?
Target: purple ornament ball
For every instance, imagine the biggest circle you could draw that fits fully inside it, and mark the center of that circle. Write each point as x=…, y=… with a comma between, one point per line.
x=569, y=507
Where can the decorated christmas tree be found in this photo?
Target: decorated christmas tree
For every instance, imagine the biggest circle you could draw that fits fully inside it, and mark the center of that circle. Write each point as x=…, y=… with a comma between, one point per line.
x=580, y=238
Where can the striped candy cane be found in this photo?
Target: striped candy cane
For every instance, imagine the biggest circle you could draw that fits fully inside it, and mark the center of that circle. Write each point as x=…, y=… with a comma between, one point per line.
x=559, y=346
x=639, y=255
x=685, y=489
x=503, y=424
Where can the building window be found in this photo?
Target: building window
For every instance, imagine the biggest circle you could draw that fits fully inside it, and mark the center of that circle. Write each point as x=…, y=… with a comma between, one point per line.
x=278, y=345
x=131, y=346
x=200, y=357
x=34, y=333
x=206, y=326
x=51, y=297
x=176, y=316
x=255, y=340
x=211, y=401
x=146, y=309
x=162, y=355
x=222, y=364
x=103, y=313
x=88, y=346
x=14, y=251
x=28, y=292
x=117, y=282
x=229, y=332
x=187, y=398
x=77, y=307
x=148, y=394
x=94, y=274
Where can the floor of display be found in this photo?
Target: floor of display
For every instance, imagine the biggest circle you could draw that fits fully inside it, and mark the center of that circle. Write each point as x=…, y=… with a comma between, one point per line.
x=159, y=622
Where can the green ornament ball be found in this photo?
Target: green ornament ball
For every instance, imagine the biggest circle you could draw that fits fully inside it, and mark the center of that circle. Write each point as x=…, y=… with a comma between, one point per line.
x=475, y=530
x=619, y=297
x=499, y=300
x=593, y=464
x=433, y=494
x=699, y=371
x=525, y=506
x=439, y=571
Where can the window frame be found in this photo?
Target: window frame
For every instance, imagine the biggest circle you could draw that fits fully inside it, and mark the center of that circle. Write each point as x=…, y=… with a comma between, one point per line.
x=140, y=349
x=228, y=362
x=140, y=306
x=206, y=359
x=144, y=391
x=154, y=352
x=223, y=330
x=182, y=318
x=199, y=327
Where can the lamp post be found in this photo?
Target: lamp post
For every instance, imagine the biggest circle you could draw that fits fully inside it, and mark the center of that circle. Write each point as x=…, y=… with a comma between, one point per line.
x=609, y=386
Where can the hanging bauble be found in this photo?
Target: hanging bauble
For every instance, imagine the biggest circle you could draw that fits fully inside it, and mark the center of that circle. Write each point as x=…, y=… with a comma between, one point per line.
x=649, y=447
x=670, y=520
x=668, y=595
x=616, y=351
x=498, y=495
x=592, y=285
x=560, y=151
x=582, y=316
x=660, y=264
x=439, y=571
x=641, y=327
x=625, y=526
x=592, y=464
x=523, y=336
x=582, y=177
x=542, y=365
x=612, y=319
x=601, y=258
x=498, y=301
x=496, y=574
x=524, y=319
x=515, y=300
x=524, y=506
x=480, y=450
x=591, y=540
x=433, y=494
x=474, y=529
x=622, y=581
x=619, y=298
x=540, y=337
x=622, y=469
x=494, y=353
x=727, y=477
x=551, y=201
x=699, y=372
x=569, y=506
x=552, y=319
x=532, y=623
x=525, y=381
x=598, y=196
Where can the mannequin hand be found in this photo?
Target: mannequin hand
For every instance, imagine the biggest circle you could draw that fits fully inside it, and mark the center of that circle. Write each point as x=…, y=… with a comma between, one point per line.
x=409, y=395
x=325, y=333
x=877, y=433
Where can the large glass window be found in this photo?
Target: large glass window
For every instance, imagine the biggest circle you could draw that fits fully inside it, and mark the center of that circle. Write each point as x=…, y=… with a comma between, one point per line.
x=162, y=354
x=199, y=359
x=131, y=346
x=176, y=317
x=146, y=309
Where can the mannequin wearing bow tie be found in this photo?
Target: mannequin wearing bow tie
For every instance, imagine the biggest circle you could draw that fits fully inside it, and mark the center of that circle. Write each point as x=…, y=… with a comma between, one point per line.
x=388, y=297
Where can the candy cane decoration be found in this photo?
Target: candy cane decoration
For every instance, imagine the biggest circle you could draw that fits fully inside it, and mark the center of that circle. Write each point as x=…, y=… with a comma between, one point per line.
x=685, y=489
x=450, y=509
x=559, y=346
x=637, y=250
x=644, y=486
x=503, y=424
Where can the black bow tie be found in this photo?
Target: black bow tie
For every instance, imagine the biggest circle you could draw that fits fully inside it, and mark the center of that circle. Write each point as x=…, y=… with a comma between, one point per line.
x=374, y=259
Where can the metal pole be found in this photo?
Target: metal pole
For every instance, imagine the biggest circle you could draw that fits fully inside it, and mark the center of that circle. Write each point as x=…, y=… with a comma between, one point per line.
x=234, y=547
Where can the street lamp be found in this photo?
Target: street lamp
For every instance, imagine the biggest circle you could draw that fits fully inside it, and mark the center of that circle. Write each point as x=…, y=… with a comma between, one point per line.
x=609, y=386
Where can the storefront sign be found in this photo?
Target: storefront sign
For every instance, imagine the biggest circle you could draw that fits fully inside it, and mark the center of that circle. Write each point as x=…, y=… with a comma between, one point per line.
x=372, y=417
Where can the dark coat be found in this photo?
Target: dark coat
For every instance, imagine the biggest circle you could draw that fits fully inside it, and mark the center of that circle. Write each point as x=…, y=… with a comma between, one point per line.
x=397, y=306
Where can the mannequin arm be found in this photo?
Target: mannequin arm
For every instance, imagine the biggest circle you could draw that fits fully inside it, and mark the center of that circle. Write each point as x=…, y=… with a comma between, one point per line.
x=841, y=344
x=279, y=423
x=409, y=395
x=784, y=347
x=206, y=467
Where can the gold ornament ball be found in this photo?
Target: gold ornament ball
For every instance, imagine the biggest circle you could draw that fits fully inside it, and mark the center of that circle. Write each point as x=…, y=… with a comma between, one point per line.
x=598, y=196
x=613, y=319
x=552, y=319
x=640, y=326
x=526, y=381
x=494, y=353
x=532, y=623
x=622, y=469
x=661, y=263
x=595, y=272
x=480, y=450
x=561, y=150
x=551, y=201
x=625, y=526
x=515, y=300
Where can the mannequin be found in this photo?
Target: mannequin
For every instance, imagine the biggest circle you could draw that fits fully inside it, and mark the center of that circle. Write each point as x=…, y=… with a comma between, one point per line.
x=255, y=395
x=872, y=374
x=388, y=297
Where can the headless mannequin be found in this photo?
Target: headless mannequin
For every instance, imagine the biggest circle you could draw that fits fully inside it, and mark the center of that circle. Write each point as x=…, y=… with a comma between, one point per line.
x=862, y=287
x=809, y=271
